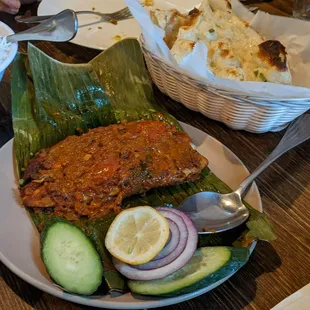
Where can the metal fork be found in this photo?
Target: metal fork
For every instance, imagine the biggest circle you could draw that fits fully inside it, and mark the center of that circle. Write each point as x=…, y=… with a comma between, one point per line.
x=105, y=17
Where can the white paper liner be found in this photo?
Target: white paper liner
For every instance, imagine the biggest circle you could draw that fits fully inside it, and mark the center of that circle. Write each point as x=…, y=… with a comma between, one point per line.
x=294, y=34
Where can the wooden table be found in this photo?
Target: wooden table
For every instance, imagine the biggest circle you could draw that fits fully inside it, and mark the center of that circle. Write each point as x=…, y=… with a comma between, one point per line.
x=275, y=270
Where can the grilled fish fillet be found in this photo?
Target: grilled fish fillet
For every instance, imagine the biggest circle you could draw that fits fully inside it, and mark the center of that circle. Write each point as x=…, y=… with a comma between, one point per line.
x=90, y=175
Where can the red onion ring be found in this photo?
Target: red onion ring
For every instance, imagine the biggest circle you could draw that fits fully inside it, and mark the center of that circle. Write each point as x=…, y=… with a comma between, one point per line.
x=153, y=264
x=173, y=242
x=144, y=275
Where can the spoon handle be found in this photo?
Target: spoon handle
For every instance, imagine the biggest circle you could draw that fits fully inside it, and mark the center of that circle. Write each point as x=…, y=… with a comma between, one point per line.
x=297, y=133
x=39, y=33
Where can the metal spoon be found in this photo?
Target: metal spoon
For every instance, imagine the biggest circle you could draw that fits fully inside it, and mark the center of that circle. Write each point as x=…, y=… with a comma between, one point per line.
x=213, y=212
x=59, y=28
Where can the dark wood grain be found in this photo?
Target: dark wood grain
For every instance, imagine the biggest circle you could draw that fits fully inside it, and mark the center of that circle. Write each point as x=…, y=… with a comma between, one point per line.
x=275, y=270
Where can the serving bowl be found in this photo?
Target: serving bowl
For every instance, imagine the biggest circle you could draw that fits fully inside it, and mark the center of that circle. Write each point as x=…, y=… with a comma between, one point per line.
x=5, y=30
x=239, y=111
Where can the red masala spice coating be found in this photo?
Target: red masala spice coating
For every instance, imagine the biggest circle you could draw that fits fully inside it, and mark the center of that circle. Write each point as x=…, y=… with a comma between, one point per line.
x=90, y=175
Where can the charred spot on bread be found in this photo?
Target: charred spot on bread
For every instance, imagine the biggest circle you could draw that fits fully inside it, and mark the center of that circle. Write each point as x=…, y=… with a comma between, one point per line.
x=246, y=24
x=228, y=4
x=274, y=53
x=194, y=13
x=225, y=52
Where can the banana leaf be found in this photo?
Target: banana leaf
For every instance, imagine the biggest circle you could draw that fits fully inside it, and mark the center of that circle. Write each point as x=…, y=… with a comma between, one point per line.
x=122, y=73
x=47, y=107
x=52, y=100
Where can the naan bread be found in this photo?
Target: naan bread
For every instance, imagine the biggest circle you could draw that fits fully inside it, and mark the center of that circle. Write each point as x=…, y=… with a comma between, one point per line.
x=172, y=21
x=235, y=50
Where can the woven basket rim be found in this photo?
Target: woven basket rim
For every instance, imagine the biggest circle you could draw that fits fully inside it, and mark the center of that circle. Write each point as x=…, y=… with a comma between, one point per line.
x=253, y=99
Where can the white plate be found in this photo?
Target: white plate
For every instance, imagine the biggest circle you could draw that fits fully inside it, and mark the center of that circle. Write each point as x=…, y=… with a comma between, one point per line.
x=19, y=239
x=5, y=30
x=98, y=35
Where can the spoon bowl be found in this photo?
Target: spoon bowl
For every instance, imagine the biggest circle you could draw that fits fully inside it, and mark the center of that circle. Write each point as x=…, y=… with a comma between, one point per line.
x=213, y=212
x=59, y=28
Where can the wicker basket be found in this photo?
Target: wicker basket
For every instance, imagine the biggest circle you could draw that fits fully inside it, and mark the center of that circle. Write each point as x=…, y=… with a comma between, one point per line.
x=236, y=110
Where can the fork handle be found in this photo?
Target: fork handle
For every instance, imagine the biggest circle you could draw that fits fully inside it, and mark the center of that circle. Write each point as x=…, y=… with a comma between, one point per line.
x=297, y=133
x=32, y=19
x=42, y=18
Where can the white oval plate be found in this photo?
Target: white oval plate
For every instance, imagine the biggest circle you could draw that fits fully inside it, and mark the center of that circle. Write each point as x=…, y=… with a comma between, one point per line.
x=98, y=35
x=19, y=239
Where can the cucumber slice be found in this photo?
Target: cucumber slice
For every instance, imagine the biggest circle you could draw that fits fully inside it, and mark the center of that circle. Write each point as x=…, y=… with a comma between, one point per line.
x=207, y=266
x=70, y=258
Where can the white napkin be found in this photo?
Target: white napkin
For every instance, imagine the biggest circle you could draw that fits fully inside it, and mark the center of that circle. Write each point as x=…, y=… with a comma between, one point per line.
x=292, y=33
x=300, y=300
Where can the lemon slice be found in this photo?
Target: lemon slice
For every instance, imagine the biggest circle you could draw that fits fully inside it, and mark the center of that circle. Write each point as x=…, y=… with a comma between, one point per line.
x=137, y=235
